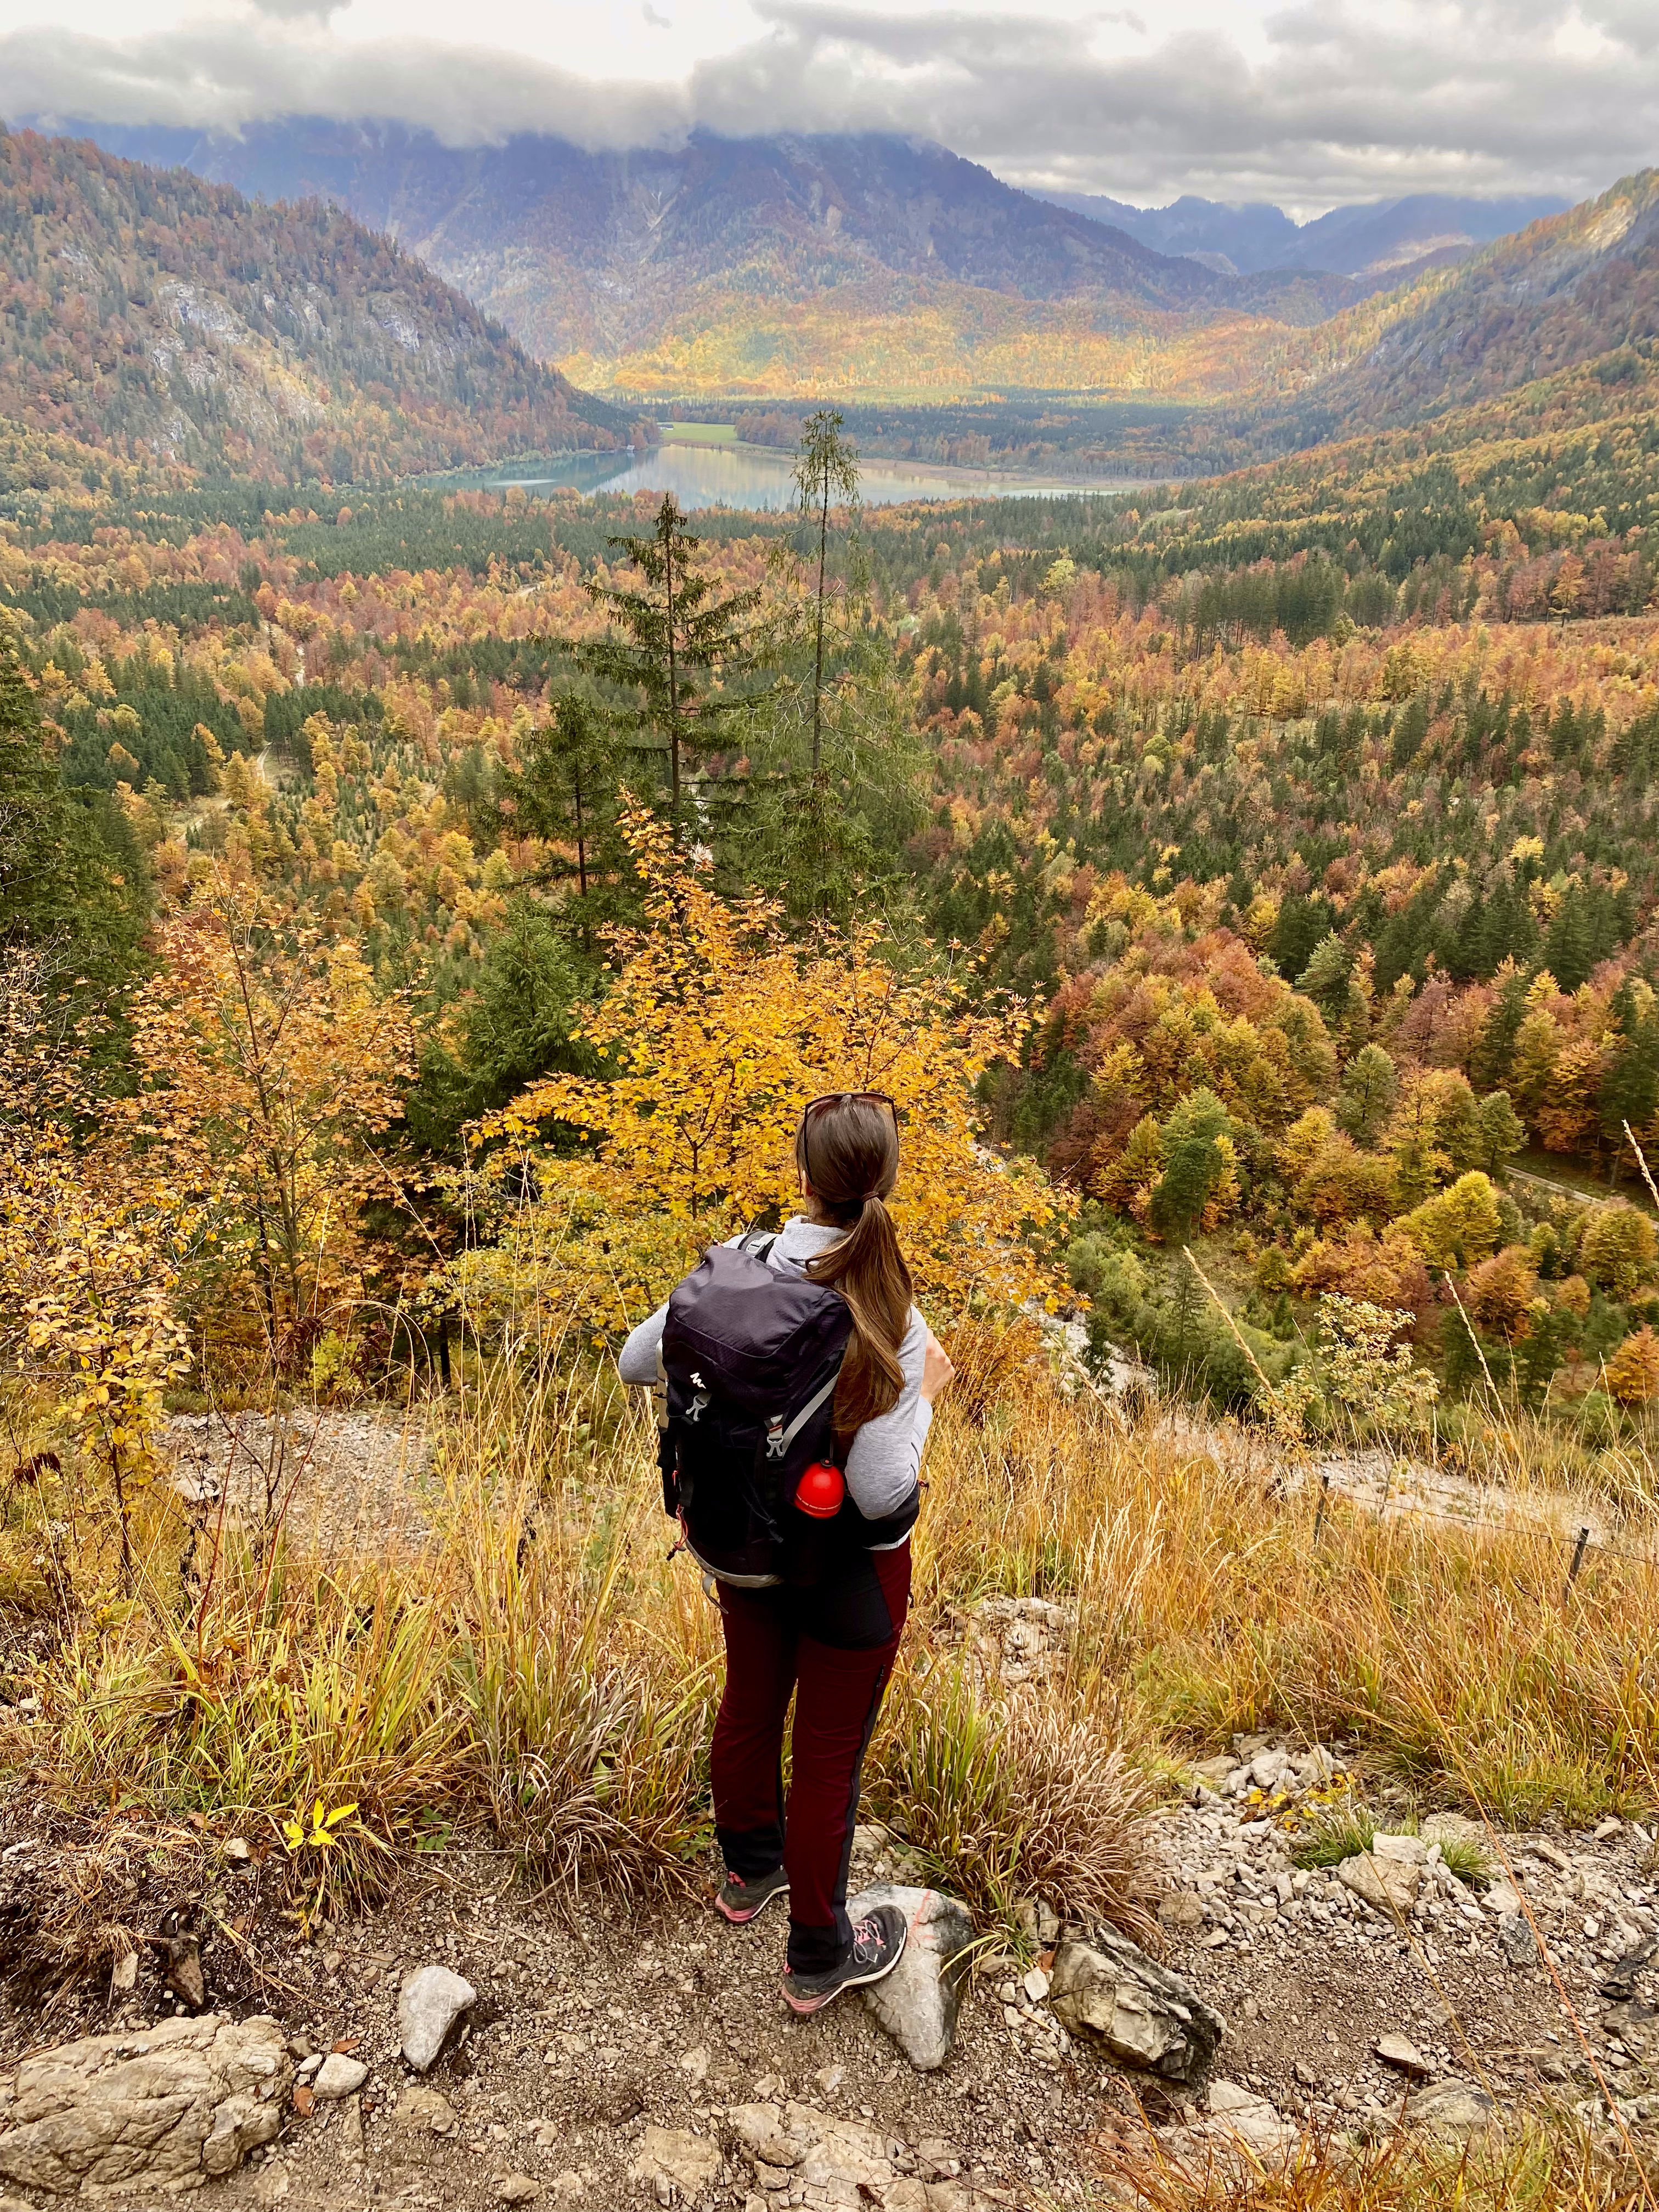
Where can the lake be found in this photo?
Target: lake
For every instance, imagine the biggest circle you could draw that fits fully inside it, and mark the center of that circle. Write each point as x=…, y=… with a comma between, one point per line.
x=753, y=477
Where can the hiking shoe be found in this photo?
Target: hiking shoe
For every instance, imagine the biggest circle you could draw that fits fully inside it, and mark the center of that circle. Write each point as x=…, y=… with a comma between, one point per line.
x=877, y=1947
x=739, y=1900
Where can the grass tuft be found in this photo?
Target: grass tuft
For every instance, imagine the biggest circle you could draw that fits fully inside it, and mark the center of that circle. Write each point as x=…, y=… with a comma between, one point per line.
x=1337, y=1836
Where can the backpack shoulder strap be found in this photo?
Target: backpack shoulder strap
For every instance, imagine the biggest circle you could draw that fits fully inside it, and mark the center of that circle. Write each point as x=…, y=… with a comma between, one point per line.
x=758, y=1243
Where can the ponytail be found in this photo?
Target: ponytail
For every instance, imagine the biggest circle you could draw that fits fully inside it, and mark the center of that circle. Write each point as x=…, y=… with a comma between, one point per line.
x=848, y=1152
x=868, y=1269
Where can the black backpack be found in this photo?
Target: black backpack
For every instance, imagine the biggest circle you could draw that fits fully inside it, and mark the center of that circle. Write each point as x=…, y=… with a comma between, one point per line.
x=751, y=1360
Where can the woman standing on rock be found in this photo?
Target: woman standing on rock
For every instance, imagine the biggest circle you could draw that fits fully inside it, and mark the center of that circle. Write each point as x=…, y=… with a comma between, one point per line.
x=799, y=1382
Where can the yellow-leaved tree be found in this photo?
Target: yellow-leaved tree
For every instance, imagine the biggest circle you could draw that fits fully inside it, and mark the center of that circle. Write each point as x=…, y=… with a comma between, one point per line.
x=87, y=1281
x=718, y=1027
x=268, y=1063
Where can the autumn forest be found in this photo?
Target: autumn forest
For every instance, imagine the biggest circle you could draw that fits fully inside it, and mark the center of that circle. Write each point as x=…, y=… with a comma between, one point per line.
x=429, y=892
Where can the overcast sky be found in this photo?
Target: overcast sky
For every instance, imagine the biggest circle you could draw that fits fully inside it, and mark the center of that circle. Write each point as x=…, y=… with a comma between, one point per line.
x=1308, y=105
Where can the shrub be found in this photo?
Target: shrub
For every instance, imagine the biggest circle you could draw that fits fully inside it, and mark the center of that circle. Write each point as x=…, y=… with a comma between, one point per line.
x=1500, y=1292
x=1618, y=1247
x=1633, y=1373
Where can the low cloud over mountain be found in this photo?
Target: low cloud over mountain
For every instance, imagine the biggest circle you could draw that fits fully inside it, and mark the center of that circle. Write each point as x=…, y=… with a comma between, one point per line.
x=1306, y=106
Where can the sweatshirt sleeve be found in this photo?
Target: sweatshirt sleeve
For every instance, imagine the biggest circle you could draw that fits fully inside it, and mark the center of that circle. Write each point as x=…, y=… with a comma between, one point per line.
x=637, y=1361
x=885, y=1463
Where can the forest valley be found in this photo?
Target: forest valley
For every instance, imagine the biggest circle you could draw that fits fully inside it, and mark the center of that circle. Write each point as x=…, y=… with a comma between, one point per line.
x=389, y=943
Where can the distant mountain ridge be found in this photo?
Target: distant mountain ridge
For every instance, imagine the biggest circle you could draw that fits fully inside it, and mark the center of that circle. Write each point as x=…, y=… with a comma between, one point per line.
x=1575, y=290
x=151, y=313
x=1373, y=239
x=760, y=264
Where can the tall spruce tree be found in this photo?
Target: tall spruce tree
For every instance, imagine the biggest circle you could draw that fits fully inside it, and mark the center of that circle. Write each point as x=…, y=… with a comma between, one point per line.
x=670, y=639
x=565, y=793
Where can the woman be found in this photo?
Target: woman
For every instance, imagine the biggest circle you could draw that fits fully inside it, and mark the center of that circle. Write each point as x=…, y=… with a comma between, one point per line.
x=831, y=1642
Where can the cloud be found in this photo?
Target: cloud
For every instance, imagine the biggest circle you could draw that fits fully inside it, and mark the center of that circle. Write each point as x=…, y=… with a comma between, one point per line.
x=1332, y=101
x=222, y=77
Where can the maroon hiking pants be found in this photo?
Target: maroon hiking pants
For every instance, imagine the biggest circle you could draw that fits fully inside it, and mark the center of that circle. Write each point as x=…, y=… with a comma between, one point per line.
x=832, y=1645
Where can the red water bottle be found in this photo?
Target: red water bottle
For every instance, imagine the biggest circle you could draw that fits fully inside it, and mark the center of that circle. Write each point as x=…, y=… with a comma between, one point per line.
x=820, y=1491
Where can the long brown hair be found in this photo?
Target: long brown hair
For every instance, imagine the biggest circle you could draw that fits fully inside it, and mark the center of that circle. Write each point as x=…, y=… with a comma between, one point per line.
x=848, y=1150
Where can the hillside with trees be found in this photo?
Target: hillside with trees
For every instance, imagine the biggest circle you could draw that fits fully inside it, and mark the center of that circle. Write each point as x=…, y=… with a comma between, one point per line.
x=779, y=266
x=1570, y=290
x=163, y=319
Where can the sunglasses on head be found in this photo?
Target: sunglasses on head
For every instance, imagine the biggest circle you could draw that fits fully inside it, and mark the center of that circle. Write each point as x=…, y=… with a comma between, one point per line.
x=828, y=1098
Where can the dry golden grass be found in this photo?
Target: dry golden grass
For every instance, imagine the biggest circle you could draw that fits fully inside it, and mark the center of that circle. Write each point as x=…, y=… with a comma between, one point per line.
x=1452, y=1653
x=1541, y=2168
x=534, y=1667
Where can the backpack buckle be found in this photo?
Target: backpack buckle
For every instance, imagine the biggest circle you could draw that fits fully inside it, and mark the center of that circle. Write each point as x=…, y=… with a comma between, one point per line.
x=694, y=1410
x=776, y=1442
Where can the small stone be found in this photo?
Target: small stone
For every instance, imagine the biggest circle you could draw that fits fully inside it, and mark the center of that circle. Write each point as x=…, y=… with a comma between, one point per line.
x=1036, y=1985
x=1232, y=2096
x=1406, y=1850
x=1400, y=2050
x=124, y=1975
x=1039, y=1923
x=1450, y=2108
x=238, y=1850
x=830, y=2079
x=1386, y=1885
x=517, y=2189
x=918, y=2002
x=1502, y=1900
x=695, y=2062
x=270, y=2183
x=430, y=2002
x=1605, y=1828
x=339, y=2076
x=1180, y=1908
x=673, y=2158
x=1248, y=2118
x=1517, y=1941
x=424, y=2107
x=351, y=2127
x=185, y=1979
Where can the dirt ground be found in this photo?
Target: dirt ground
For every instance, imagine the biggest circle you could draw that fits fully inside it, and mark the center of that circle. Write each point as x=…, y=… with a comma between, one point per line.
x=617, y=2062
x=583, y=2039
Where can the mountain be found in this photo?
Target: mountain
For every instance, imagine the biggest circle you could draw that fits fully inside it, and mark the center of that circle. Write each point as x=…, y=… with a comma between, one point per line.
x=1373, y=239
x=153, y=314
x=770, y=265
x=1578, y=290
